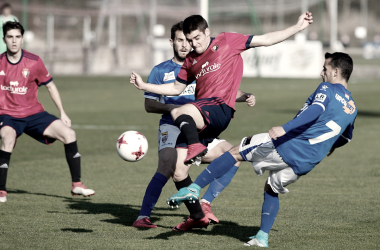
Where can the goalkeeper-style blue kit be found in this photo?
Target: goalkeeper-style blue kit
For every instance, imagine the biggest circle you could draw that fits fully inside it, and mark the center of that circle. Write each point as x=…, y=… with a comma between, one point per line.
x=303, y=147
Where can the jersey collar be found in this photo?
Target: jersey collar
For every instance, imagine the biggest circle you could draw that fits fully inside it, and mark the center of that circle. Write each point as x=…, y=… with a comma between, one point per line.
x=22, y=54
x=212, y=38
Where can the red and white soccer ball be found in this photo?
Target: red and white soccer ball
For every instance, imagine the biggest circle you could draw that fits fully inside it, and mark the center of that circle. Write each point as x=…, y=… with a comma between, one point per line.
x=132, y=146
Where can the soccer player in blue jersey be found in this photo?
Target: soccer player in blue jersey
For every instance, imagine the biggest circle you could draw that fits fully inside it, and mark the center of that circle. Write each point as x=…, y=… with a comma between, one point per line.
x=164, y=73
x=325, y=122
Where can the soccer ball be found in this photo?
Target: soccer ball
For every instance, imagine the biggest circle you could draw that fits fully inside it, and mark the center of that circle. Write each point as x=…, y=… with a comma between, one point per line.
x=132, y=146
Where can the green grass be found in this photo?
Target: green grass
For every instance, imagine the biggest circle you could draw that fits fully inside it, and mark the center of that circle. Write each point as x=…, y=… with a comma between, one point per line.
x=336, y=206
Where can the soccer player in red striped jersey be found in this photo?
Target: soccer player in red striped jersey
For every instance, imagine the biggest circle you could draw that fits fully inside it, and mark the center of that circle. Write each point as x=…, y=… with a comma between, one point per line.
x=21, y=73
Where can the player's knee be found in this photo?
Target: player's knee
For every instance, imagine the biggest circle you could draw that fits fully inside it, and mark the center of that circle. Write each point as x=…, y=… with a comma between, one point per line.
x=175, y=113
x=234, y=151
x=69, y=136
x=8, y=138
x=8, y=142
x=166, y=166
x=179, y=176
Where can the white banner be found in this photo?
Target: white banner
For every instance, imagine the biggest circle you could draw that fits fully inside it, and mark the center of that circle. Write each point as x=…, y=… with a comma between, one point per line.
x=289, y=59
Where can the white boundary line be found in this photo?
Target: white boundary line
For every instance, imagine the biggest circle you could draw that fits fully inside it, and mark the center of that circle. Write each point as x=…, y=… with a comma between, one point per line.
x=109, y=127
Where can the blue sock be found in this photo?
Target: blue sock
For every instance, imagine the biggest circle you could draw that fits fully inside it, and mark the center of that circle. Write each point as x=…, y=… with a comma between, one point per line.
x=217, y=185
x=269, y=211
x=152, y=193
x=216, y=169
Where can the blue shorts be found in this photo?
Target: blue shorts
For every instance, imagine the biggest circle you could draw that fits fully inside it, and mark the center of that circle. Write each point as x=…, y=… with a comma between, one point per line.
x=216, y=114
x=34, y=125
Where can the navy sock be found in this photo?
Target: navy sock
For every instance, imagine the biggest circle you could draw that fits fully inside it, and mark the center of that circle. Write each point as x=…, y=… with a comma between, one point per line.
x=188, y=128
x=269, y=211
x=152, y=193
x=195, y=209
x=216, y=169
x=5, y=157
x=217, y=185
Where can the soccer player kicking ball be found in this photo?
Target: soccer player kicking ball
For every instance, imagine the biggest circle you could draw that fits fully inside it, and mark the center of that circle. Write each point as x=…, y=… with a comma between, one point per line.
x=325, y=122
x=217, y=66
x=21, y=73
x=165, y=73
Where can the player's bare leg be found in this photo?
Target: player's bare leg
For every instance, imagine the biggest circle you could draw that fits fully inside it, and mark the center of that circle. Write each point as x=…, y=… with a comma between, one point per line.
x=166, y=166
x=189, y=120
x=8, y=141
x=58, y=130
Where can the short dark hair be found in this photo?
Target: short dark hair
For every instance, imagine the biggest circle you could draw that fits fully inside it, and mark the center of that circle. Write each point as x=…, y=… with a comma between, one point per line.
x=176, y=27
x=341, y=61
x=194, y=22
x=11, y=26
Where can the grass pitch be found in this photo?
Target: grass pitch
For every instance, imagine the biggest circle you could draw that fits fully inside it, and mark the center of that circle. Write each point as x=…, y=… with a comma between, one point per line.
x=335, y=206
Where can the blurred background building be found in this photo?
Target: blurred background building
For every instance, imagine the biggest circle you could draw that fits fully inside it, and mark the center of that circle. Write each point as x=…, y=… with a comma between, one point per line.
x=114, y=37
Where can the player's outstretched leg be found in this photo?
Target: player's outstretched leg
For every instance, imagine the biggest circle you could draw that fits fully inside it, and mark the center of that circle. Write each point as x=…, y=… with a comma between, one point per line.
x=214, y=189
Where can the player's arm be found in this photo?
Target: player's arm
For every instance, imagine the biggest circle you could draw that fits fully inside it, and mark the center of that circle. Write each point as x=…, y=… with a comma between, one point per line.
x=271, y=38
x=153, y=106
x=310, y=114
x=250, y=99
x=174, y=88
x=54, y=94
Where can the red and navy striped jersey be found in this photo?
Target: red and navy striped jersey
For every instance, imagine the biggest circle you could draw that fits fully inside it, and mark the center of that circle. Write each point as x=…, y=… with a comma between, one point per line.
x=218, y=70
x=19, y=84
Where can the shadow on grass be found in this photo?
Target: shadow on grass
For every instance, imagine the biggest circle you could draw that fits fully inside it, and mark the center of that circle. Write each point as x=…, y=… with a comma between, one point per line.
x=224, y=228
x=126, y=214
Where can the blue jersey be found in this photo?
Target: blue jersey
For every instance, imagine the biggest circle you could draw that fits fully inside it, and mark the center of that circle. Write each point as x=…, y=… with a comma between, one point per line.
x=167, y=72
x=303, y=147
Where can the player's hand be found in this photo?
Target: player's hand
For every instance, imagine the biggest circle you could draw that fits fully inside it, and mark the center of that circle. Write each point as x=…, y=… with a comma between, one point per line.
x=66, y=120
x=250, y=99
x=304, y=20
x=276, y=132
x=136, y=80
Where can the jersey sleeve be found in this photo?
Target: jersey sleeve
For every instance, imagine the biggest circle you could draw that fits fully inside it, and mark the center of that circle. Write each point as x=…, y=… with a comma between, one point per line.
x=183, y=76
x=154, y=78
x=322, y=96
x=309, y=115
x=42, y=75
x=238, y=42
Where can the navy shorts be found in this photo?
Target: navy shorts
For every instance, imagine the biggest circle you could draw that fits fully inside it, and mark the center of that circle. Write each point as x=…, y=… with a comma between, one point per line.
x=34, y=125
x=216, y=114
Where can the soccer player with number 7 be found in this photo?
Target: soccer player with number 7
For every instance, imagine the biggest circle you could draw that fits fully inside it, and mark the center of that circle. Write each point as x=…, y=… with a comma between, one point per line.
x=325, y=122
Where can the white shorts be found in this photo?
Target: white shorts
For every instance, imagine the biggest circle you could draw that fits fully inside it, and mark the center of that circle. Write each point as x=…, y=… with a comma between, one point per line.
x=260, y=150
x=168, y=134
